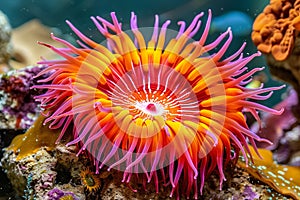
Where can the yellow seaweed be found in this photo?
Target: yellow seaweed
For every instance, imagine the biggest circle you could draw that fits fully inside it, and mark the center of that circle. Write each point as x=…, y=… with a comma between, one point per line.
x=282, y=178
x=35, y=137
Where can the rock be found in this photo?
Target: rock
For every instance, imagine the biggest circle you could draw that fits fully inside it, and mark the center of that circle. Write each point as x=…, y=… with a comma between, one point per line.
x=35, y=175
x=5, y=45
x=59, y=172
x=28, y=52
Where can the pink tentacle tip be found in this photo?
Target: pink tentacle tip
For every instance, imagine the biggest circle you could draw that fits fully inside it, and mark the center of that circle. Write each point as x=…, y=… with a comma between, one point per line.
x=57, y=142
x=101, y=108
x=282, y=86
x=228, y=30
x=266, y=141
x=279, y=112
x=259, y=53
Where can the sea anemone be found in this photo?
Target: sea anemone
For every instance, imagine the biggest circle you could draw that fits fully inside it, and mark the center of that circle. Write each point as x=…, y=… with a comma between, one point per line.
x=163, y=106
x=90, y=180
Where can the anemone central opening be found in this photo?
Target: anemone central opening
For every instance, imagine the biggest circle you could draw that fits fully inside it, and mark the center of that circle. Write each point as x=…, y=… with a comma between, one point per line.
x=150, y=108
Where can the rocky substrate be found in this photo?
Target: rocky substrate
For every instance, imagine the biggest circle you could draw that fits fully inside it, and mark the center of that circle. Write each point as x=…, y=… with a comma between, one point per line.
x=47, y=174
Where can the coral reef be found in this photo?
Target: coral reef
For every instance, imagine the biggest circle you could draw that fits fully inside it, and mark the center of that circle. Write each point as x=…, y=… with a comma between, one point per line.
x=276, y=33
x=18, y=109
x=276, y=28
x=17, y=104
